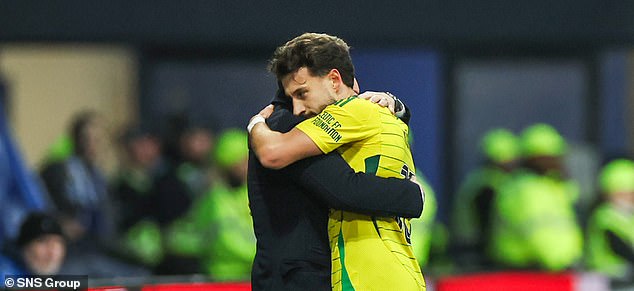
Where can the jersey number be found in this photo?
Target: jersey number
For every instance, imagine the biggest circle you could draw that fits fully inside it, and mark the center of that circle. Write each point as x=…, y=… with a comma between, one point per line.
x=407, y=174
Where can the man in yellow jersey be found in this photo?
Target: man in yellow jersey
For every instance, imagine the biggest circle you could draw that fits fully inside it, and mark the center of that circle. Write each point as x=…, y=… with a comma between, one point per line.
x=368, y=253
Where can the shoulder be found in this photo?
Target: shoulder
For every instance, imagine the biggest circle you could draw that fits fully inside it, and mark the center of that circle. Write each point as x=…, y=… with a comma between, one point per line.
x=355, y=103
x=353, y=107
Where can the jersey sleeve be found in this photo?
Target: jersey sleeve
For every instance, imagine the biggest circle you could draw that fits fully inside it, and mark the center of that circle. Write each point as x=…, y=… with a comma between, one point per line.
x=337, y=125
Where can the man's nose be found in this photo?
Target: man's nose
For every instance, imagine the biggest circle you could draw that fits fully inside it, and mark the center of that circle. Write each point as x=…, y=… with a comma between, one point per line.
x=298, y=109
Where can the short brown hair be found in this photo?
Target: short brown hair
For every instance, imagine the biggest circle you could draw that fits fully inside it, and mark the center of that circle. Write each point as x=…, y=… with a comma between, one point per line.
x=318, y=52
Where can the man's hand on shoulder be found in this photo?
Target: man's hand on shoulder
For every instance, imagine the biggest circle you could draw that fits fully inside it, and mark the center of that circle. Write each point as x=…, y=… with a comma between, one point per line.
x=379, y=98
x=385, y=99
x=267, y=111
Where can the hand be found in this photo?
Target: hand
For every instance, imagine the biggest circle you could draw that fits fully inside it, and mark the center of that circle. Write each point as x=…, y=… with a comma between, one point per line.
x=260, y=117
x=267, y=111
x=380, y=98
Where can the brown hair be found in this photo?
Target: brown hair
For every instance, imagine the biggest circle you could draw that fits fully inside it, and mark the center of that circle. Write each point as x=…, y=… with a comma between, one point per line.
x=318, y=52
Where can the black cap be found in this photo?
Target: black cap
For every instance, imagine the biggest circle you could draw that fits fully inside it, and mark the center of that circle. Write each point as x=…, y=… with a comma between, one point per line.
x=37, y=225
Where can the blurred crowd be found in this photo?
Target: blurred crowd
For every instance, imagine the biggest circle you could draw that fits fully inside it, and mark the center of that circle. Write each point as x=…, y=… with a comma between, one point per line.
x=519, y=210
x=177, y=204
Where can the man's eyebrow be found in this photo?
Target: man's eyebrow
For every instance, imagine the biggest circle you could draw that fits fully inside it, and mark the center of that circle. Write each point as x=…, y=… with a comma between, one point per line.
x=298, y=90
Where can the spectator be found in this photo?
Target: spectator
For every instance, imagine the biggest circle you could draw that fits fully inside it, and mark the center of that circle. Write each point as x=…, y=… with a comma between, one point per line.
x=233, y=244
x=40, y=247
x=189, y=174
x=611, y=226
x=133, y=193
x=218, y=229
x=78, y=186
x=189, y=177
x=471, y=215
x=79, y=191
x=535, y=225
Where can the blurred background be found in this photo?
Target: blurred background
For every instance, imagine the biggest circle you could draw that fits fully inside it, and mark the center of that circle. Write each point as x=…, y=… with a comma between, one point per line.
x=176, y=76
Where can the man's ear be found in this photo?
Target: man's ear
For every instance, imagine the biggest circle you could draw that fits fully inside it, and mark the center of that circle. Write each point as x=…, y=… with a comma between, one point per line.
x=335, y=78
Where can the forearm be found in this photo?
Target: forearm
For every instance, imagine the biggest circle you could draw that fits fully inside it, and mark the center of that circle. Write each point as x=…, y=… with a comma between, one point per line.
x=277, y=150
x=331, y=179
x=267, y=145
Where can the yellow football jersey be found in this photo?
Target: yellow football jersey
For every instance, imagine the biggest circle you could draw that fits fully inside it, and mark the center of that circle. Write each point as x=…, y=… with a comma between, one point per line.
x=368, y=253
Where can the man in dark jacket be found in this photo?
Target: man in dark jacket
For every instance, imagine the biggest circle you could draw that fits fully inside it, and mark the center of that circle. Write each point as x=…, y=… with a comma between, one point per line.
x=40, y=248
x=290, y=208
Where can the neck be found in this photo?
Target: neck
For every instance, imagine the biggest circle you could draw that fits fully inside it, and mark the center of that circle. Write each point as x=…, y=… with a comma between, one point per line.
x=344, y=93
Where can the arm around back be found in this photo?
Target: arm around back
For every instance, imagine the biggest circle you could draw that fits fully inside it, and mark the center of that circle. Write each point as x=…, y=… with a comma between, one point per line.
x=330, y=178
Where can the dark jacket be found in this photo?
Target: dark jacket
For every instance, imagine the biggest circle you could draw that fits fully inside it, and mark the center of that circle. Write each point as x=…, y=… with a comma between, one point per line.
x=290, y=210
